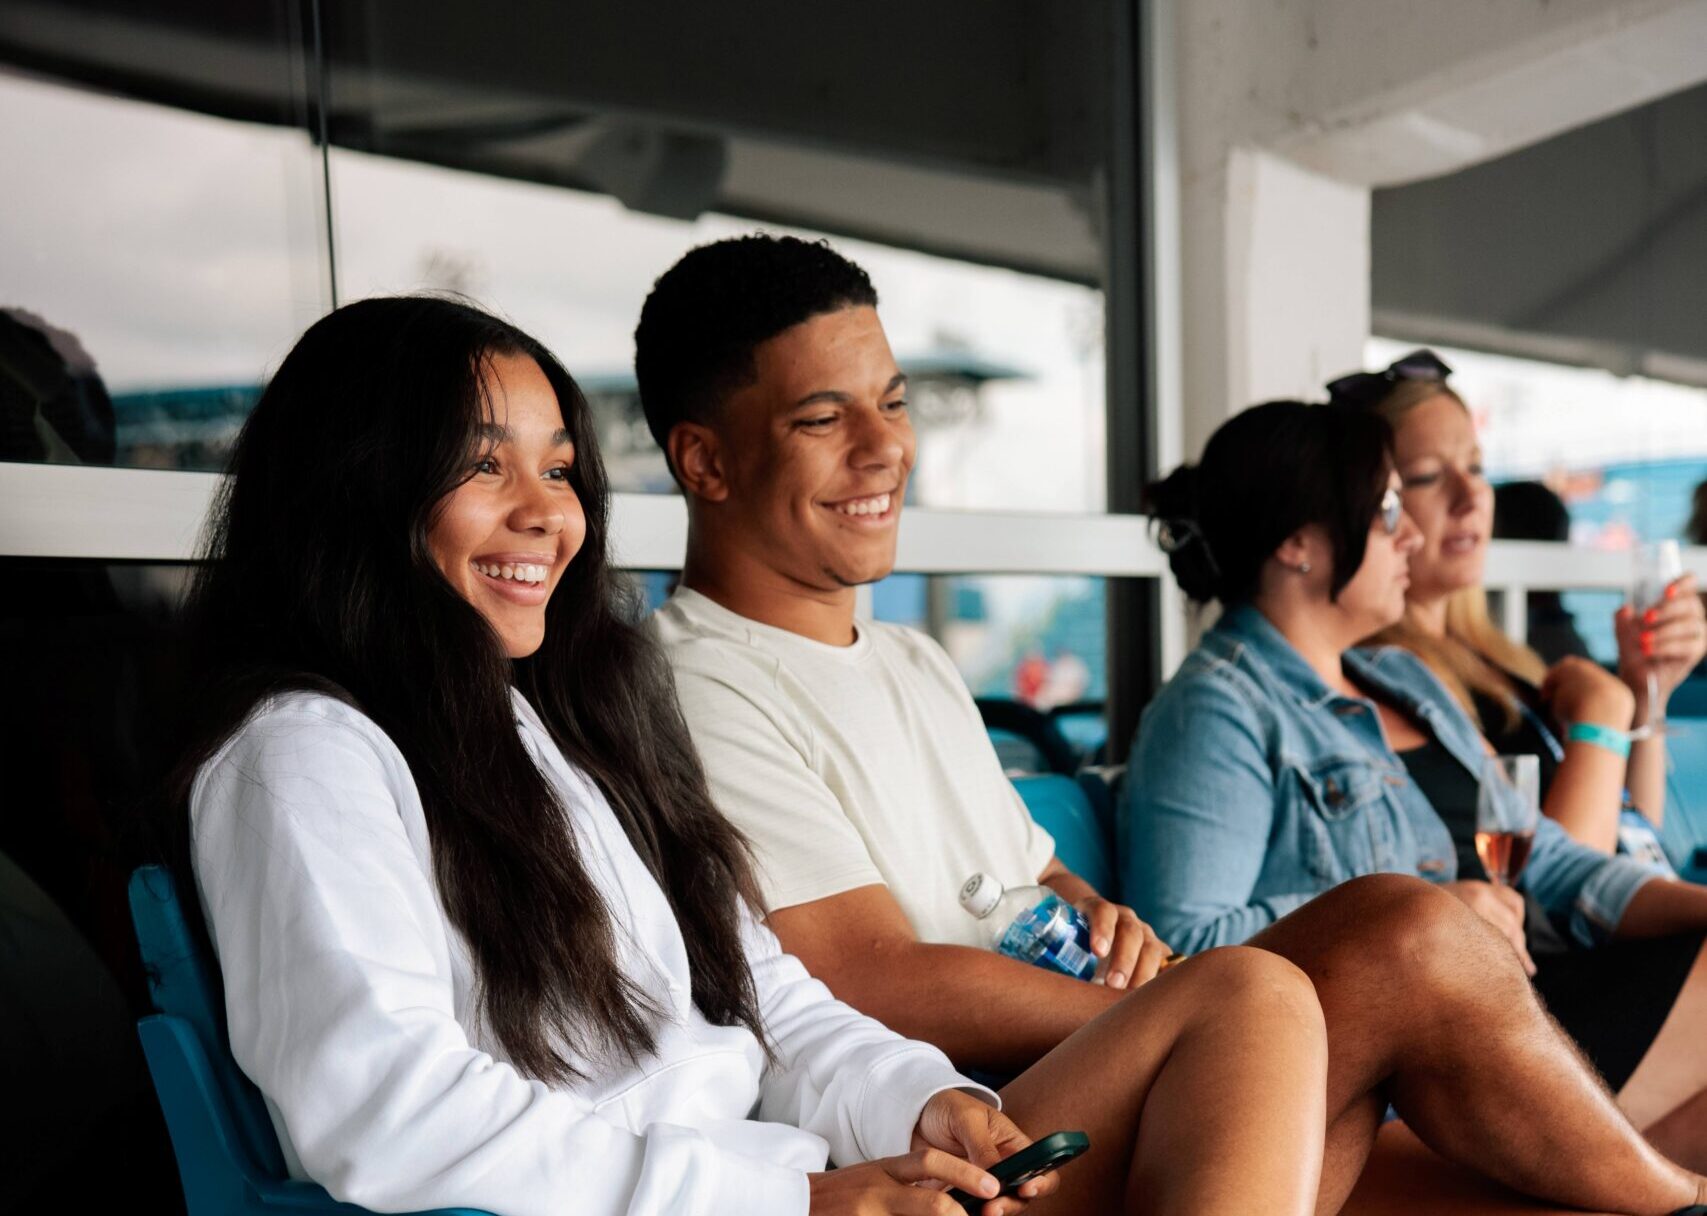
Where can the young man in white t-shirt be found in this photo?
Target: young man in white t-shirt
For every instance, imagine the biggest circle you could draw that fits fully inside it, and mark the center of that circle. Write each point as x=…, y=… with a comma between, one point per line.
x=852, y=757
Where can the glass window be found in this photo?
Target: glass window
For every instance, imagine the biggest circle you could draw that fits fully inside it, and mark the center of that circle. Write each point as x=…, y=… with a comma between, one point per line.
x=158, y=260
x=556, y=190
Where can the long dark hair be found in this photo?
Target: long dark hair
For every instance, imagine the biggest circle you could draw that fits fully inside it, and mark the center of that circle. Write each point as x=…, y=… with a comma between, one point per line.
x=1267, y=472
x=319, y=577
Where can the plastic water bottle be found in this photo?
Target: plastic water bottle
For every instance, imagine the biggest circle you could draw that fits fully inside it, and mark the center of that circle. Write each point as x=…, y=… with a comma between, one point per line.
x=1032, y=924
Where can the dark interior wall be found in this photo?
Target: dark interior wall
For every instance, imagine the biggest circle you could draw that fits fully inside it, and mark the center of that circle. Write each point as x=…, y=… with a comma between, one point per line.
x=84, y=661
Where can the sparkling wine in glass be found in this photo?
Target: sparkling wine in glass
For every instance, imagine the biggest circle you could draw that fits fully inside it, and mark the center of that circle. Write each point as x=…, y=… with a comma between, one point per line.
x=1508, y=806
x=1658, y=564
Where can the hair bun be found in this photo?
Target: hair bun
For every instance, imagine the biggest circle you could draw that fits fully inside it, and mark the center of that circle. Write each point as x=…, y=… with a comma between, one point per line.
x=1172, y=505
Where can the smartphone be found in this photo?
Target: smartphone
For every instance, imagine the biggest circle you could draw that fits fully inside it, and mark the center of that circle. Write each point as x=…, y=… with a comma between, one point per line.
x=1039, y=1157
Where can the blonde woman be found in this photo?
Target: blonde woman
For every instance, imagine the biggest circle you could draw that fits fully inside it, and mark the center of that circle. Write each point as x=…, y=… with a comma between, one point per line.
x=1584, y=723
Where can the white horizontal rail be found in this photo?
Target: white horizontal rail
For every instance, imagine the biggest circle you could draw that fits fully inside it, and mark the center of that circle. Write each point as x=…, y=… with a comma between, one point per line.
x=72, y=511
x=1539, y=566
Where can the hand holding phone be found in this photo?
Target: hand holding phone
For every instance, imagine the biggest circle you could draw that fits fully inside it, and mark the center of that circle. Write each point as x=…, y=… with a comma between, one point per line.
x=1039, y=1157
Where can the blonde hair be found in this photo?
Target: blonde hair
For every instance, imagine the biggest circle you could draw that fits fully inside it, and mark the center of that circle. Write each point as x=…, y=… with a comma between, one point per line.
x=1474, y=655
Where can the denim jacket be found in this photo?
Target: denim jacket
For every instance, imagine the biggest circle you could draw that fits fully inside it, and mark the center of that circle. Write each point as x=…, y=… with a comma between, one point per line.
x=1253, y=787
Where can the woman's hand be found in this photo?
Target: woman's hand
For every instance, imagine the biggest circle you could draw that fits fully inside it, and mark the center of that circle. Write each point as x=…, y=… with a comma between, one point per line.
x=956, y=1135
x=1128, y=951
x=967, y=1127
x=899, y=1186
x=1502, y=908
x=1667, y=640
x=1578, y=690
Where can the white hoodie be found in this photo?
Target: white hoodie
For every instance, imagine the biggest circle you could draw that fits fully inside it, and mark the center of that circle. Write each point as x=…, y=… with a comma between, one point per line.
x=351, y=1002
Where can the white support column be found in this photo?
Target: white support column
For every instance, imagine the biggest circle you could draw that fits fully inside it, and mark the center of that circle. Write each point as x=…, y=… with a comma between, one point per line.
x=1276, y=288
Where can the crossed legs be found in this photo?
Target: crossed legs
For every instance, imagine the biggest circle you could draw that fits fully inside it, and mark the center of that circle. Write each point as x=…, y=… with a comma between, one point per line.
x=1203, y=1091
x=1426, y=1006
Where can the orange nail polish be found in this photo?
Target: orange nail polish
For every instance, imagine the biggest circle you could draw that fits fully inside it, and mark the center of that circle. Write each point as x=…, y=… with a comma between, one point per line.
x=1650, y=616
x=1671, y=591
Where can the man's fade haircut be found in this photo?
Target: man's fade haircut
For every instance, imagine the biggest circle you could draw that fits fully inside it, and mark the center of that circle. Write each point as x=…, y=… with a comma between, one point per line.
x=707, y=313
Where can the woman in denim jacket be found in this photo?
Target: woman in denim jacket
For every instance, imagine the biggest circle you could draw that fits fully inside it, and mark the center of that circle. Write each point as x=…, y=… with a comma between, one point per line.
x=1269, y=770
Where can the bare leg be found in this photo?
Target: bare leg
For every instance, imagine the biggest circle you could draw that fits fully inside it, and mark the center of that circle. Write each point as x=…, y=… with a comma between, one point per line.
x=1427, y=1004
x=1667, y=1094
x=1407, y=1178
x=1201, y=1093
x=1681, y=1134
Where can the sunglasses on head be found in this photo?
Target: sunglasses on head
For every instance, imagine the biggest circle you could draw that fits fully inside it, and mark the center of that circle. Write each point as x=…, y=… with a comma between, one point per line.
x=1392, y=508
x=1367, y=388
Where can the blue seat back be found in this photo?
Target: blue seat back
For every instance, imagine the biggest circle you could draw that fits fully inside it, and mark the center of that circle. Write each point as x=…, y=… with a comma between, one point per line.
x=1101, y=783
x=1061, y=807
x=1017, y=754
x=181, y=983
x=228, y=1155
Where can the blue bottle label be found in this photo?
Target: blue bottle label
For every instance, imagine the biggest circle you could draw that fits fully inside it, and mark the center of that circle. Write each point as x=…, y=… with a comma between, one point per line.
x=1051, y=935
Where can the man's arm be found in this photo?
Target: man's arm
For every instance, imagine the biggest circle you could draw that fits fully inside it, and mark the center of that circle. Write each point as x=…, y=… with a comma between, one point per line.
x=983, y=1009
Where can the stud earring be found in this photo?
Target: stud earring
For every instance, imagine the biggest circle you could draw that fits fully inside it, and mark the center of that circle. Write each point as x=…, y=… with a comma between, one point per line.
x=1303, y=567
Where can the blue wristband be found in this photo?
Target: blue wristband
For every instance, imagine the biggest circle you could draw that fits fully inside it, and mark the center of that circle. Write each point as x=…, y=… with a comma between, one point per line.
x=1615, y=741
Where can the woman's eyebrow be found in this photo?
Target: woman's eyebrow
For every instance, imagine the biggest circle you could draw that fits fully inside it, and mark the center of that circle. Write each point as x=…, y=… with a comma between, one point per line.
x=496, y=432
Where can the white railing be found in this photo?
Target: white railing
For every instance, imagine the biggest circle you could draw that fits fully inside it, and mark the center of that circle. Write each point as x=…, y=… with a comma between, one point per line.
x=1515, y=568
x=69, y=511
x=73, y=511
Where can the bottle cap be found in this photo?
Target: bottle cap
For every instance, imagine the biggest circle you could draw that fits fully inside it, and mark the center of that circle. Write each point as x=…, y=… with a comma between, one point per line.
x=980, y=894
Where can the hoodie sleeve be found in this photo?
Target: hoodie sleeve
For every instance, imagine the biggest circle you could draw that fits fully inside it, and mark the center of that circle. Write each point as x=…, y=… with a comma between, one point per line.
x=339, y=996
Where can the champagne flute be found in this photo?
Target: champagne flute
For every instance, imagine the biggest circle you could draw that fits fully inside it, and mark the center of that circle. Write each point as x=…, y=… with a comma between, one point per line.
x=1658, y=564
x=1508, y=806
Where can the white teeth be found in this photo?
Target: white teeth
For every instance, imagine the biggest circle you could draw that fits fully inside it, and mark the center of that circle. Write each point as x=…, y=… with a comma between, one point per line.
x=514, y=572
x=866, y=506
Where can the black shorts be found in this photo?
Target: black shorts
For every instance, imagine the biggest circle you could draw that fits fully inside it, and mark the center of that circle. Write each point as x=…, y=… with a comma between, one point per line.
x=1614, y=998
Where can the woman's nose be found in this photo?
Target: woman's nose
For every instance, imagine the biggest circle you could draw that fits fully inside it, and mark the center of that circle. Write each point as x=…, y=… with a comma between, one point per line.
x=1464, y=487
x=537, y=509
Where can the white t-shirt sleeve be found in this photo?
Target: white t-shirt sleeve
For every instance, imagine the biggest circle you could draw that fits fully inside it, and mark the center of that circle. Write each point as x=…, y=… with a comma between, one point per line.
x=758, y=763
x=341, y=1009
x=840, y=1074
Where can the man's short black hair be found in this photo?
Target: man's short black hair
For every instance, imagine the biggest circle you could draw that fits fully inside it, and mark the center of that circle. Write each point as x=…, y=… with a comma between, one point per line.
x=705, y=315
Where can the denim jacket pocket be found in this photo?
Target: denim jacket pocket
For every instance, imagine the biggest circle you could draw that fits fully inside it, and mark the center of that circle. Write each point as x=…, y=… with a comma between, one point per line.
x=1341, y=818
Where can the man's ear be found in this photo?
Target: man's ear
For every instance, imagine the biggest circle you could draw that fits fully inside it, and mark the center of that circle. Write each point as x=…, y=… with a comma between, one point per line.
x=697, y=457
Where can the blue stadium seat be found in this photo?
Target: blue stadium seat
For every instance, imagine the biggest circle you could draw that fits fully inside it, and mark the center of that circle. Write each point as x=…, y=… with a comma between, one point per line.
x=1082, y=841
x=1101, y=783
x=228, y=1155
x=1684, y=832
x=1026, y=739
